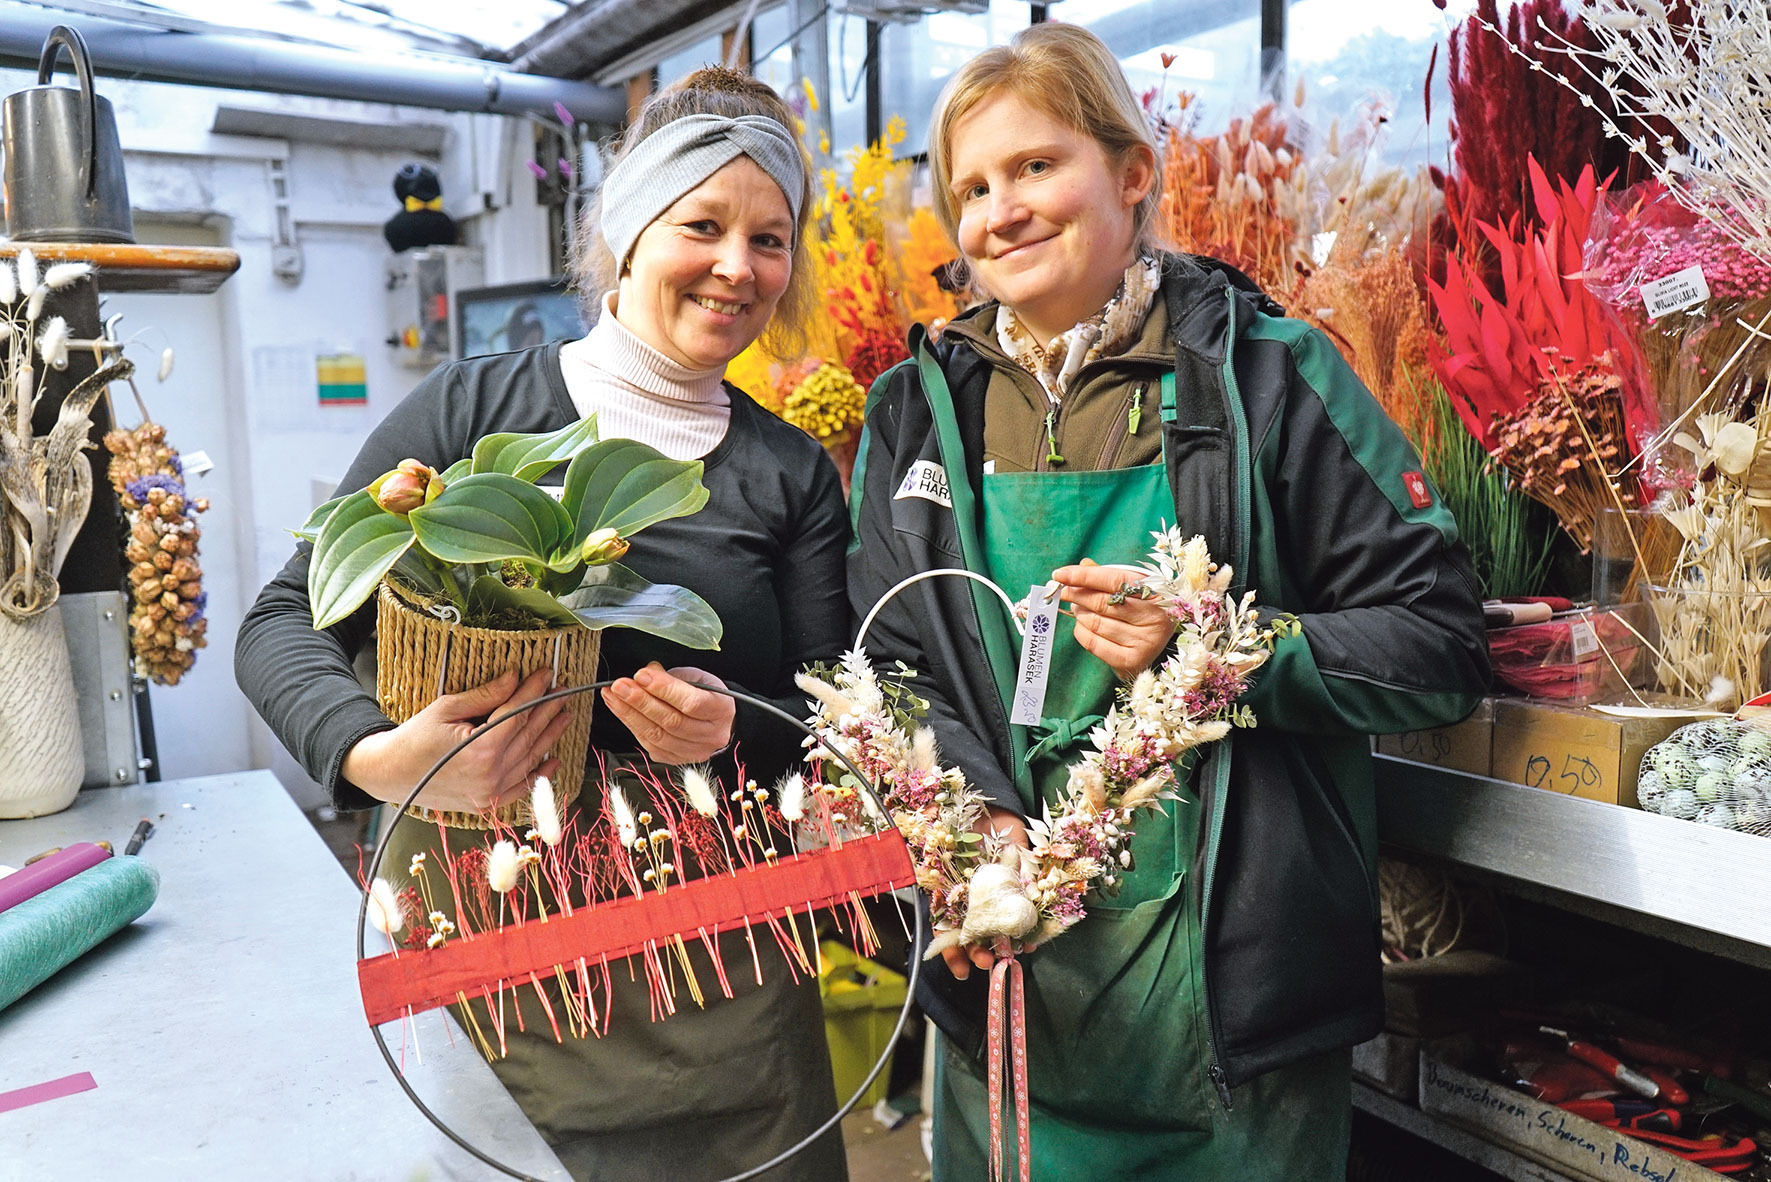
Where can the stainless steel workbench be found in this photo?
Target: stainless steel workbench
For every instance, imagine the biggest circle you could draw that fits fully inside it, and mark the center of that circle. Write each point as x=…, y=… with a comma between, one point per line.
x=224, y=1028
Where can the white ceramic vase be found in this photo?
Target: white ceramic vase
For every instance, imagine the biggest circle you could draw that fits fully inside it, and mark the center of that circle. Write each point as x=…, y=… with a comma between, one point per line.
x=41, y=759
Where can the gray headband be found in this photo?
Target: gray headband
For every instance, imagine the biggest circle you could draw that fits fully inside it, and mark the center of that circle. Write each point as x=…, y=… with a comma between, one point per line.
x=683, y=153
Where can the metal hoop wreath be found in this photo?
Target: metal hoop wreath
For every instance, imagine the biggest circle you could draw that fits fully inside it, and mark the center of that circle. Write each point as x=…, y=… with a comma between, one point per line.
x=915, y=965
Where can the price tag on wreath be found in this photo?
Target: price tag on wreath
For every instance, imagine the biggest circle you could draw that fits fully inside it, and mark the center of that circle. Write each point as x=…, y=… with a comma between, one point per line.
x=1036, y=655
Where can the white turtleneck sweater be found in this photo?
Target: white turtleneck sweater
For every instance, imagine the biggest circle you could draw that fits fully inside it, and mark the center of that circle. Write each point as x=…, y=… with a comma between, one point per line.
x=638, y=393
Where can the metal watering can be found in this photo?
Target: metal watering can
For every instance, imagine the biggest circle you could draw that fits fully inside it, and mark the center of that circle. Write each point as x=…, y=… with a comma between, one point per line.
x=64, y=164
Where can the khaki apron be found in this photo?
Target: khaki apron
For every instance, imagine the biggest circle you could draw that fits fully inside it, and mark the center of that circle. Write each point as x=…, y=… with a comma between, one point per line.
x=1117, y=1043
x=701, y=1095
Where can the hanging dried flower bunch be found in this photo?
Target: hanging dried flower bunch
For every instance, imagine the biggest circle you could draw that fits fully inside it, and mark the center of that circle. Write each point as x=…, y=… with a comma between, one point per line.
x=166, y=617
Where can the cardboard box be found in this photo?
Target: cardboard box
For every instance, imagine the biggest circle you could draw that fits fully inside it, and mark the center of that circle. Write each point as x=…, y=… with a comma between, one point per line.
x=1390, y=1063
x=1542, y=1131
x=1463, y=747
x=1446, y=994
x=1573, y=749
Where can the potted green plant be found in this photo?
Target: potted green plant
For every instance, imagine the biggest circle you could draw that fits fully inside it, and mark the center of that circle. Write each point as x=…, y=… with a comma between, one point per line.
x=478, y=569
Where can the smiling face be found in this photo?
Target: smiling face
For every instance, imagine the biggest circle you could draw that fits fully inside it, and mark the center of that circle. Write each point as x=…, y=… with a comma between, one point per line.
x=705, y=277
x=1046, y=220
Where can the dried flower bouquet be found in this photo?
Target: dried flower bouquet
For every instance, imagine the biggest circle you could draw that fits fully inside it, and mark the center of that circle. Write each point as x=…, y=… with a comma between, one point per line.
x=46, y=483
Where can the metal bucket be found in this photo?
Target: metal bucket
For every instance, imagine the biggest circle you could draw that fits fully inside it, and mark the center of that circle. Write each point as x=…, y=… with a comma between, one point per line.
x=64, y=163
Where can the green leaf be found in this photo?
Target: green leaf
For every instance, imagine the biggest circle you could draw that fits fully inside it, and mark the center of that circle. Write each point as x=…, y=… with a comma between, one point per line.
x=490, y=594
x=459, y=470
x=623, y=485
x=309, y=530
x=528, y=456
x=355, y=547
x=615, y=597
x=490, y=517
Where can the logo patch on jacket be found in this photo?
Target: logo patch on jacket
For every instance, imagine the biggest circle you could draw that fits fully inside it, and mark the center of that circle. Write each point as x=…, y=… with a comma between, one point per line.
x=928, y=480
x=1418, y=492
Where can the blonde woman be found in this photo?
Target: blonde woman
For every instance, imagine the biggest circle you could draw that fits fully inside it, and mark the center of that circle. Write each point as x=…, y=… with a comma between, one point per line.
x=701, y=242
x=1196, y=1025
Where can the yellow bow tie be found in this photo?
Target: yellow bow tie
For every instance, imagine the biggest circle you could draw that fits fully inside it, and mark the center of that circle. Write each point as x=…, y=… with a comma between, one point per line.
x=413, y=204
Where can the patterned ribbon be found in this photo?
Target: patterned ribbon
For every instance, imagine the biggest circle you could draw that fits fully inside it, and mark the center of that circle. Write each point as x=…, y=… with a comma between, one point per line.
x=1008, y=1017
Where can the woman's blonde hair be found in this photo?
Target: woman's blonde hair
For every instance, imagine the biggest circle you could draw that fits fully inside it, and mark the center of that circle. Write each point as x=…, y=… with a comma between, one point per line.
x=1070, y=74
x=711, y=90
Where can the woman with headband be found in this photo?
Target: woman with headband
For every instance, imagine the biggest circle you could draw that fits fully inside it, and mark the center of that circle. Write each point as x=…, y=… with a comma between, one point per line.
x=699, y=249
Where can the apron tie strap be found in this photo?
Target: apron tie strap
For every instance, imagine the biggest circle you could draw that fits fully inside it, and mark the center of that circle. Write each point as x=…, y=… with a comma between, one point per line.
x=1008, y=1038
x=1057, y=734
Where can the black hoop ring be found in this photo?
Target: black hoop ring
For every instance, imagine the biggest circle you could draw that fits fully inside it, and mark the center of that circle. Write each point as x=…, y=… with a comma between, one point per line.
x=915, y=963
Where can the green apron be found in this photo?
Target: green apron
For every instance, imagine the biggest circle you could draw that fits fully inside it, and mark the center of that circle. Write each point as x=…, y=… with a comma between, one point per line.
x=1117, y=1045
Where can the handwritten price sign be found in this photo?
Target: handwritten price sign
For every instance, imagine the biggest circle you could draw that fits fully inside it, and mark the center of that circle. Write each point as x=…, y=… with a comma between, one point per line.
x=1578, y=775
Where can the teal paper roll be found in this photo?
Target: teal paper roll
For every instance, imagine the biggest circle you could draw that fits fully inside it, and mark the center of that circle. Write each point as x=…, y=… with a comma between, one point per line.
x=47, y=932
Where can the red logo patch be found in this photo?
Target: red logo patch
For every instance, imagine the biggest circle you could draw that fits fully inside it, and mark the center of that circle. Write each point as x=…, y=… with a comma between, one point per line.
x=1417, y=489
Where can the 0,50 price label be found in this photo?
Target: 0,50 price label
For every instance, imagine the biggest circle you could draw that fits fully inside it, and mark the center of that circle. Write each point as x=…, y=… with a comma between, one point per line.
x=1577, y=775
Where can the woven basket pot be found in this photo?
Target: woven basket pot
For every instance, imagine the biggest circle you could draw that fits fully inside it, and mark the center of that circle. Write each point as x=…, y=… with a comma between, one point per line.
x=418, y=657
x=41, y=758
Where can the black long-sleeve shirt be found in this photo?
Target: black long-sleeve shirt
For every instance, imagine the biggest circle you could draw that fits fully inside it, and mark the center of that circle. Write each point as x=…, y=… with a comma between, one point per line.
x=766, y=552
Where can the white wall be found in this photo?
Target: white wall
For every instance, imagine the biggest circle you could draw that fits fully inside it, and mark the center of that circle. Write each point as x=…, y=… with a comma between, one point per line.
x=269, y=448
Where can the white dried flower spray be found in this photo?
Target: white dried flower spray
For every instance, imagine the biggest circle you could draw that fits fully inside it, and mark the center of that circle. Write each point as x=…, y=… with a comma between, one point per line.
x=545, y=810
x=166, y=363
x=27, y=273
x=53, y=344
x=503, y=866
x=61, y=275
x=8, y=284
x=384, y=908
x=698, y=787
x=622, y=813
x=790, y=795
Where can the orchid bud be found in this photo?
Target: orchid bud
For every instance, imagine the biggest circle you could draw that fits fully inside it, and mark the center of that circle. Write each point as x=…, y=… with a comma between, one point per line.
x=410, y=486
x=602, y=547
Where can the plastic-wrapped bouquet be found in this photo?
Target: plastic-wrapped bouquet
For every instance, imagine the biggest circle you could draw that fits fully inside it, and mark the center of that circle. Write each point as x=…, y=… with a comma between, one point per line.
x=988, y=891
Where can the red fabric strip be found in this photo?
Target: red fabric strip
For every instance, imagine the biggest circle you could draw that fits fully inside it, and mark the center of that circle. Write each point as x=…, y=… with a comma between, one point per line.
x=55, y=1089
x=424, y=980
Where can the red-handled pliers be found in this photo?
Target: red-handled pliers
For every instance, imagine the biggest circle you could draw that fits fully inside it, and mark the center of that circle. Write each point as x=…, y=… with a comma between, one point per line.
x=1714, y=1153
x=1626, y=1114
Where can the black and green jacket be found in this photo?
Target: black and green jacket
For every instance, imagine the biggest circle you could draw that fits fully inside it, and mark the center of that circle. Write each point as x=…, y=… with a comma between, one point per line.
x=1291, y=471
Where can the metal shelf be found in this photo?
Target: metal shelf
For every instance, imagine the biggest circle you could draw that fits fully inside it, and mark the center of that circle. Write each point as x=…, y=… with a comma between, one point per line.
x=1490, y=1155
x=1694, y=884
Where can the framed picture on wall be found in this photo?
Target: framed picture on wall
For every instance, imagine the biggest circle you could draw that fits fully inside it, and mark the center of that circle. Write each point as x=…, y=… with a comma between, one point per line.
x=516, y=315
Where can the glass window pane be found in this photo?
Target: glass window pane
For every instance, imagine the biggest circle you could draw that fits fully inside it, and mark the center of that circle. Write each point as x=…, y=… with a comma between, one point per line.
x=1216, y=48
x=773, y=63
x=687, y=61
x=846, y=96
x=917, y=59
x=1381, y=57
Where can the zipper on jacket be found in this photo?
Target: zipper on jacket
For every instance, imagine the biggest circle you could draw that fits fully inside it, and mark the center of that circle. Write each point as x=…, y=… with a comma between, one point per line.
x=1051, y=437
x=1238, y=543
x=1123, y=425
x=1217, y=1081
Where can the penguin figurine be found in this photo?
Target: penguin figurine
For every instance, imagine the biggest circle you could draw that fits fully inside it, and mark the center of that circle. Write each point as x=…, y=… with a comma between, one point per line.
x=421, y=220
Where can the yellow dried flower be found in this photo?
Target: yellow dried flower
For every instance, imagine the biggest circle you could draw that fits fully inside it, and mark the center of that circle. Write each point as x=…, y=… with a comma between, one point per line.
x=826, y=405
